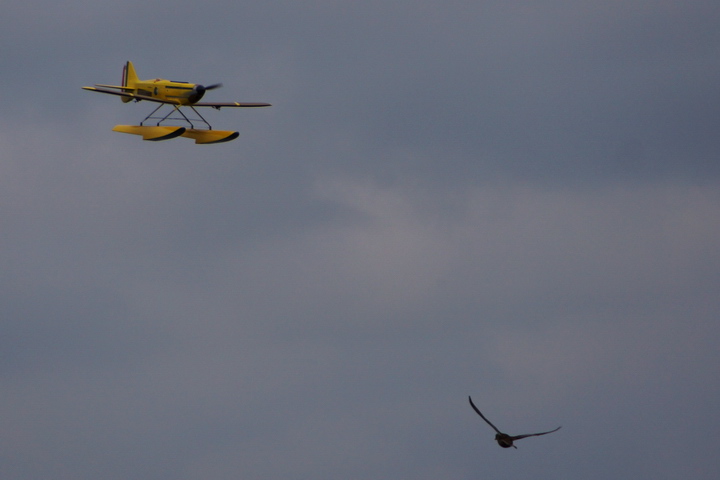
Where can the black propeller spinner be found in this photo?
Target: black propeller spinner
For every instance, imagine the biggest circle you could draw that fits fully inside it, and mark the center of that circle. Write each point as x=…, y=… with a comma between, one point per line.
x=503, y=439
x=199, y=90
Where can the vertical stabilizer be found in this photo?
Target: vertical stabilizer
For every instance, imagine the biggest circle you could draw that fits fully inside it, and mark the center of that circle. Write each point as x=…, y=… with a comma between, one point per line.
x=129, y=78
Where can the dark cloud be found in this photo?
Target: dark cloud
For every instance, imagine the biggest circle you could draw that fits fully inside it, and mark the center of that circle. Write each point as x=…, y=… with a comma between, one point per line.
x=507, y=200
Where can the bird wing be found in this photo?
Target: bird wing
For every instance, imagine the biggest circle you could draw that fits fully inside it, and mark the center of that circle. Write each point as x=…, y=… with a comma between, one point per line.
x=535, y=434
x=483, y=416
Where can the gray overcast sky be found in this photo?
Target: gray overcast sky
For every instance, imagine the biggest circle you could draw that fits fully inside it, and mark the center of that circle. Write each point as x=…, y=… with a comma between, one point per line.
x=514, y=200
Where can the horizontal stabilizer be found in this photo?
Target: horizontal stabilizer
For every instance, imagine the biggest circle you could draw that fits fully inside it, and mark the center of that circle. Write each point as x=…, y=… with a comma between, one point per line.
x=151, y=133
x=210, y=136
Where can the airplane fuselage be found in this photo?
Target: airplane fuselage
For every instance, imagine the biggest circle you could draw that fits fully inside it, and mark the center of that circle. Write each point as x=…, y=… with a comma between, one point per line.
x=182, y=93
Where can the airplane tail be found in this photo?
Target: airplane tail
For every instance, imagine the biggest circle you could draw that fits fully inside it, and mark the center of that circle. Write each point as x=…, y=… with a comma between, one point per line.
x=129, y=78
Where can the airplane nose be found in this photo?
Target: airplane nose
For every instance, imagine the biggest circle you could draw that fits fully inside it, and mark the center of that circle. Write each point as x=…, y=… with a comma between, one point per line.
x=199, y=90
x=196, y=94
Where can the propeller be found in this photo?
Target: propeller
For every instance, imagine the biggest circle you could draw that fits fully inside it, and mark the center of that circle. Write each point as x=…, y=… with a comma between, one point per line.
x=199, y=90
x=211, y=87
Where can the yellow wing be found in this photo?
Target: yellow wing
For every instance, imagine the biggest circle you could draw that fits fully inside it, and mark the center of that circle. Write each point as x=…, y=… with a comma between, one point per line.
x=134, y=96
x=122, y=92
x=229, y=104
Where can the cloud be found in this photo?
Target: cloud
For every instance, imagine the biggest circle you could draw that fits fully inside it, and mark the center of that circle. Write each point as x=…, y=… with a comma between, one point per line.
x=502, y=199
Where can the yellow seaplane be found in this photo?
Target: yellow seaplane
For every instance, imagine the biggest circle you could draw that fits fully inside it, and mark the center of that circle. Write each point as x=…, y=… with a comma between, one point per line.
x=174, y=95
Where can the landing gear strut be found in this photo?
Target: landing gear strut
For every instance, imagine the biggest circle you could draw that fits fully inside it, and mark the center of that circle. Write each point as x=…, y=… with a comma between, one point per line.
x=183, y=117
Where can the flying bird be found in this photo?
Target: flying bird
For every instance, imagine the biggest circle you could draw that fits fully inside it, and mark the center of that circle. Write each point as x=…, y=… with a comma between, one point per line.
x=503, y=439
